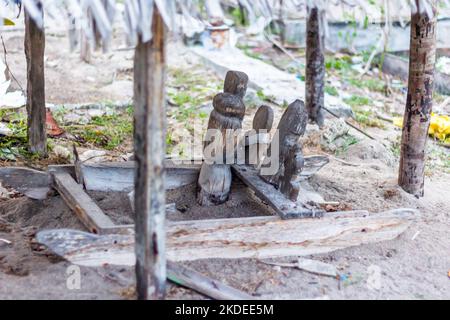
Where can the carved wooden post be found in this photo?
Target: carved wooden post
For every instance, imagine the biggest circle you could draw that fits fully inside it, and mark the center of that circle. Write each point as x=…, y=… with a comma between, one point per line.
x=149, y=145
x=229, y=110
x=292, y=125
x=34, y=52
x=258, y=141
x=315, y=65
x=416, y=120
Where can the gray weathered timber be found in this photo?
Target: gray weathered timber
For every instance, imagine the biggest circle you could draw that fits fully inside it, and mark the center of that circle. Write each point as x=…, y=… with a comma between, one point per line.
x=419, y=102
x=119, y=176
x=215, y=176
x=315, y=65
x=256, y=237
x=284, y=207
x=85, y=208
x=34, y=52
x=291, y=127
x=256, y=145
x=32, y=183
x=149, y=146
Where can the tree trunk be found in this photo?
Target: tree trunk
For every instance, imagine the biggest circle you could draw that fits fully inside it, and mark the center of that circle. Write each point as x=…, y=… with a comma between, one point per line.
x=34, y=52
x=315, y=65
x=149, y=145
x=416, y=120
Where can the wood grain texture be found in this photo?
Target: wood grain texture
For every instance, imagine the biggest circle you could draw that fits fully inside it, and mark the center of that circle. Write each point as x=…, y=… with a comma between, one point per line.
x=149, y=148
x=258, y=237
x=419, y=101
x=34, y=53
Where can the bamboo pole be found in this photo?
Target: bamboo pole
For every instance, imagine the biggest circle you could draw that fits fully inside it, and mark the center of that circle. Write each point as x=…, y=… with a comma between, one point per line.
x=149, y=144
x=34, y=52
x=419, y=101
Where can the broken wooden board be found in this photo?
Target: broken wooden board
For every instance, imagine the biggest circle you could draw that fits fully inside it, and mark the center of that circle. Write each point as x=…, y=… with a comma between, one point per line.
x=256, y=237
x=284, y=207
x=32, y=183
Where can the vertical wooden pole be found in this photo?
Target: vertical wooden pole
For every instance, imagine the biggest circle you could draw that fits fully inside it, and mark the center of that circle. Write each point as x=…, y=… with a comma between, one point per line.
x=34, y=52
x=149, y=146
x=315, y=65
x=416, y=121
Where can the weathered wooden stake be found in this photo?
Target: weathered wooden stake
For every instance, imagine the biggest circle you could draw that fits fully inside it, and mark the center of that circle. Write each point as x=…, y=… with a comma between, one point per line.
x=315, y=65
x=416, y=121
x=34, y=52
x=149, y=146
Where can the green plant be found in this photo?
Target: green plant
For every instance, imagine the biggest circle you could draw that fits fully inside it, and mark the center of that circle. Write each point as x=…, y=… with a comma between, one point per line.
x=331, y=91
x=356, y=101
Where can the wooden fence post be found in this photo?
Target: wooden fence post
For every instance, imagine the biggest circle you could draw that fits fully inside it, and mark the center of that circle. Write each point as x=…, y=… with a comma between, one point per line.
x=149, y=146
x=34, y=52
x=419, y=101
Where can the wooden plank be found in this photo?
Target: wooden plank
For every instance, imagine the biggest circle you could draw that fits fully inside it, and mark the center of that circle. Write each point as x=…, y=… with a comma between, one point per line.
x=149, y=150
x=34, y=52
x=119, y=176
x=32, y=183
x=256, y=237
x=284, y=207
x=85, y=208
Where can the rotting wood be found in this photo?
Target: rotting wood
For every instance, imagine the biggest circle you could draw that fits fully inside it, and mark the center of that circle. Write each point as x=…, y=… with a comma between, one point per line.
x=419, y=101
x=256, y=237
x=85, y=208
x=34, y=52
x=215, y=174
x=291, y=127
x=149, y=147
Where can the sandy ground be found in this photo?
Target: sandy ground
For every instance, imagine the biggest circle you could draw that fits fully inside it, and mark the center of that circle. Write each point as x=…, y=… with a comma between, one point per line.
x=413, y=266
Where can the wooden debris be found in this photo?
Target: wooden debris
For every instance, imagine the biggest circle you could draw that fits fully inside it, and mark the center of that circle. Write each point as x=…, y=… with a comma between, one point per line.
x=292, y=125
x=256, y=237
x=309, y=265
x=317, y=267
x=215, y=178
x=32, y=183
